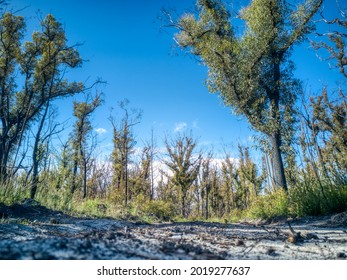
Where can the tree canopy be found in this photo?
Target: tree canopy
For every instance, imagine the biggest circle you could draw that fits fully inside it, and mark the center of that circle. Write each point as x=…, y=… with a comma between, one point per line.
x=252, y=73
x=31, y=74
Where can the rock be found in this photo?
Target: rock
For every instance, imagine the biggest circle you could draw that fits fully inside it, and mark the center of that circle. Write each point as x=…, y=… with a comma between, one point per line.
x=339, y=219
x=310, y=235
x=180, y=251
x=109, y=235
x=271, y=251
x=239, y=242
x=54, y=221
x=341, y=255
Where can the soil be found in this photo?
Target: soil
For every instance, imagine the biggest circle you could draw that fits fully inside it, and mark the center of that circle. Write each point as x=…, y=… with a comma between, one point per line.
x=31, y=231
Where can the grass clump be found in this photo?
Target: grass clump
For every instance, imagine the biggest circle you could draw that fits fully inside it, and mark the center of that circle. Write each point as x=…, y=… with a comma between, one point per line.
x=316, y=198
x=270, y=205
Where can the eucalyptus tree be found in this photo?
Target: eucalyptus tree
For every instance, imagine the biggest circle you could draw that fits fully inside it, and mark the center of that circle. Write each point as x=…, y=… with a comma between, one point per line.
x=140, y=187
x=336, y=45
x=206, y=180
x=31, y=76
x=81, y=134
x=42, y=143
x=123, y=146
x=184, y=164
x=252, y=72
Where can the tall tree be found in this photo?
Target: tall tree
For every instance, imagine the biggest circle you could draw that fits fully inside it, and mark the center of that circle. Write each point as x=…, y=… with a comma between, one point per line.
x=124, y=143
x=206, y=180
x=42, y=143
x=80, y=137
x=184, y=165
x=31, y=75
x=141, y=175
x=252, y=73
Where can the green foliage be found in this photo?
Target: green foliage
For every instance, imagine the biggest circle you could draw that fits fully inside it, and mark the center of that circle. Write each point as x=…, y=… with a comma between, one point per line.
x=336, y=44
x=12, y=191
x=274, y=204
x=123, y=147
x=184, y=165
x=81, y=133
x=153, y=210
x=40, y=64
x=252, y=73
x=308, y=199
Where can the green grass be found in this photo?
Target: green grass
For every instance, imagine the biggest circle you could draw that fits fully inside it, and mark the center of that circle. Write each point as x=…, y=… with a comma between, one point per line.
x=308, y=198
x=271, y=205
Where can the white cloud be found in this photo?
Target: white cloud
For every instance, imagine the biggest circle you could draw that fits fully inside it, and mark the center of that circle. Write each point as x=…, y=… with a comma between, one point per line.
x=180, y=126
x=100, y=130
x=195, y=124
x=218, y=162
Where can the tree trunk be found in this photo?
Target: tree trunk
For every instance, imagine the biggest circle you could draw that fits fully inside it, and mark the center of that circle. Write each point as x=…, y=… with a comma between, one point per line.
x=277, y=162
x=3, y=164
x=84, y=178
x=126, y=179
x=35, y=178
x=183, y=205
x=74, y=174
x=276, y=142
x=206, y=203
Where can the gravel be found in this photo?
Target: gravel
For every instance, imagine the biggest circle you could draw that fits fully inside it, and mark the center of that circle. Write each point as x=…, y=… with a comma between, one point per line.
x=30, y=231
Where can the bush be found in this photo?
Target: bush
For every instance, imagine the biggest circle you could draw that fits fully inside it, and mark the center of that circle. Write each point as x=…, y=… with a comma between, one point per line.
x=152, y=209
x=274, y=204
x=311, y=198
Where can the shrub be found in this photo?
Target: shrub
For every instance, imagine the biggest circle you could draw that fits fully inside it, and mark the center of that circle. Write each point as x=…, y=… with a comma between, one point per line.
x=274, y=204
x=152, y=209
x=313, y=198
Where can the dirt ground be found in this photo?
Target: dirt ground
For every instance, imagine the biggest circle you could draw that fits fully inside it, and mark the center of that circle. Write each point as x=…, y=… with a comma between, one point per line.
x=31, y=231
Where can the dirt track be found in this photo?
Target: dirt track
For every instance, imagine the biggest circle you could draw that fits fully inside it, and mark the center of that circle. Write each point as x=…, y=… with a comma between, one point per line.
x=34, y=232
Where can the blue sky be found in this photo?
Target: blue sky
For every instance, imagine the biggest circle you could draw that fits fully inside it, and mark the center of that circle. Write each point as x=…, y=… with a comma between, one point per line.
x=123, y=45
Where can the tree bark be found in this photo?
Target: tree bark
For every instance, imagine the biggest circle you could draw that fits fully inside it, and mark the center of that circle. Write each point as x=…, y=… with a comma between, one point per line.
x=84, y=178
x=277, y=162
x=206, y=203
x=183, y=198
x=275, y=137
x=35, y=178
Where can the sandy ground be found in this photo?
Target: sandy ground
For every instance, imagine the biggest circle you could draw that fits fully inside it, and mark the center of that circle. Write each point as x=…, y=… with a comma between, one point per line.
x=30, y=231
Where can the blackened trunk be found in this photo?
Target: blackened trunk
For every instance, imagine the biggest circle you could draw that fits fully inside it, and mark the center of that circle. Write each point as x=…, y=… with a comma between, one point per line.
x=207, y=202
x=4, y=156
x=74, y=175
x=3, y=166
x=35, y=178
x=84, y=179
x=277, y=162
x=36, y=156
x=183, y=198
x=275, y=137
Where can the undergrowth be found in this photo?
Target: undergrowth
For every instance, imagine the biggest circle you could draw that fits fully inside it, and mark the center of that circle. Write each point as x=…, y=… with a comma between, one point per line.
x=304, y=199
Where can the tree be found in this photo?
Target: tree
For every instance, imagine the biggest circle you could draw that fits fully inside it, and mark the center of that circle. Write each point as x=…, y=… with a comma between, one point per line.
x=124, y=143
x=184, y=165
x=336, y=46
x=327, y=120
x=31, y=75
x=252, y=73
x=81, y=133
x=206, y=181
x=143, y=171
x=41, y=144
